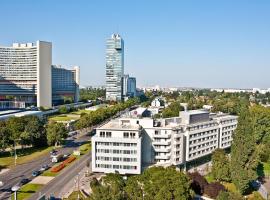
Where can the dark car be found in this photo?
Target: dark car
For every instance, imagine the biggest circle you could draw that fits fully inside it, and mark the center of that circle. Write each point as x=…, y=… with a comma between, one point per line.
x=53, y=152
x=24, y=181
x=35, y=173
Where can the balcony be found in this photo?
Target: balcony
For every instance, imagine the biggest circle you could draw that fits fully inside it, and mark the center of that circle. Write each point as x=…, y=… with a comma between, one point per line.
x=165, y=150
x=162, y=157
x=165, y=136
x=165, y=143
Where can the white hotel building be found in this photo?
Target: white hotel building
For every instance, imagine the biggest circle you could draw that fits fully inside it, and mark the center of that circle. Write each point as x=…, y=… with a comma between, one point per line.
x=171, y=141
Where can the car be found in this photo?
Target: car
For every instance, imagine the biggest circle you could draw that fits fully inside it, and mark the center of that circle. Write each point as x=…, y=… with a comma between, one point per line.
x=44, y=168
x=53, y=151
x=1, y=183
x=66, y=155
x=24, y=181
x=35, y=173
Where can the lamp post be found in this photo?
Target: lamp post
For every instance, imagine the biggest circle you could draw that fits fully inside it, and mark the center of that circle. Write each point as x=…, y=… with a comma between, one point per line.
x=15, y=189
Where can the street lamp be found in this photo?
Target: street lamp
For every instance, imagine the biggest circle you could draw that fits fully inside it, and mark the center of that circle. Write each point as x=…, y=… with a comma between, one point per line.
x=15, y=189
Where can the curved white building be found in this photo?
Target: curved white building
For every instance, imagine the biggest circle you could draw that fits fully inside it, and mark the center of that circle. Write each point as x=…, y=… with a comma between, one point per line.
x=27, y=75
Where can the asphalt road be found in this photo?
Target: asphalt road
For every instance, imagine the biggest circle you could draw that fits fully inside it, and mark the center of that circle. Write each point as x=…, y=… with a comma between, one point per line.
x=54, y=187
x=16, y=174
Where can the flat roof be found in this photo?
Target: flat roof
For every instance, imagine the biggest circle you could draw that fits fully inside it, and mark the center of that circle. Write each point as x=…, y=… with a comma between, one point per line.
x=115, y=125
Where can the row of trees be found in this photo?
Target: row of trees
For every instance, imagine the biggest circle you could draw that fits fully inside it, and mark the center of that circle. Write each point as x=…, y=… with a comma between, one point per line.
x=154, y=183
x=91, y=94
x=30, y=131
x=96, y=117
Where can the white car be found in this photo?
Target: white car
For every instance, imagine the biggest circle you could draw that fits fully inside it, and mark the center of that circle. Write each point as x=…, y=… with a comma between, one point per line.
x=1, y=183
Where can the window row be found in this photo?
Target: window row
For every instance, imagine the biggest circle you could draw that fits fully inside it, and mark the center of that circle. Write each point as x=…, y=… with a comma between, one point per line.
x=116, y=151
x=117, y=144
x=104, y=158
x=130, y=167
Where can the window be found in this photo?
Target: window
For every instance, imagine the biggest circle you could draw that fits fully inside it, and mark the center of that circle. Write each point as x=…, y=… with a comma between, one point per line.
x=108, y=134
x=126, y=135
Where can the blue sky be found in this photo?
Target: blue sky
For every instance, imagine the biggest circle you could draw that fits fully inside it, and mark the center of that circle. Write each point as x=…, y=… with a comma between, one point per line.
x=198, y=43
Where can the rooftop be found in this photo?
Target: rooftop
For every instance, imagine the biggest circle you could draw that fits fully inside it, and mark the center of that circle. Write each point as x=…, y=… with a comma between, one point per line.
x=116, y=125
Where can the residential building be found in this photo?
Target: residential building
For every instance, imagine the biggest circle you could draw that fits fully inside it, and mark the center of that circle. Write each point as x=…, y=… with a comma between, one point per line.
x=27, y=75
x=114, y=67
x=173, y=141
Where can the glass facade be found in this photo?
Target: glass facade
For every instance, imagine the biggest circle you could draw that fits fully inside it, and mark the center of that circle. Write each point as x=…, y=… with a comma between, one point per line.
x=114, y=67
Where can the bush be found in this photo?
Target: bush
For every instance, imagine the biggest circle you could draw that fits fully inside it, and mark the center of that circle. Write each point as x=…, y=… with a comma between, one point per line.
x=213, y=189
x=198, y=182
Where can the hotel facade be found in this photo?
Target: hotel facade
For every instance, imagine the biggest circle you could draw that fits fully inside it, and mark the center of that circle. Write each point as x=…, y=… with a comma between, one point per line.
x=171, y=141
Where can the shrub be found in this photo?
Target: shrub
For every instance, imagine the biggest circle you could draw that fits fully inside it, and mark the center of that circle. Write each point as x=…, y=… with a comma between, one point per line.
x=213, y=189
x=198, y=182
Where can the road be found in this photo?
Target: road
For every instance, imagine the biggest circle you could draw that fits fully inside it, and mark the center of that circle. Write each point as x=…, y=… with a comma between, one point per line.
x=14, y=176
x=19, y=172
x=54, y=187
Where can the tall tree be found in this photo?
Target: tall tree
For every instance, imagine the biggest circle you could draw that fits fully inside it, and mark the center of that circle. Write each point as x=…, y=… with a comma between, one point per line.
x=244, y=155
x=55, y=133
x=220, y=166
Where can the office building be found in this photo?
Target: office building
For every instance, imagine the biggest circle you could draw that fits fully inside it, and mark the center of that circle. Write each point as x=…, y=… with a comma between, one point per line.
x=129, y=86
x=27, y=76
x=169, y=141
x=65, y=84
x=114, y=67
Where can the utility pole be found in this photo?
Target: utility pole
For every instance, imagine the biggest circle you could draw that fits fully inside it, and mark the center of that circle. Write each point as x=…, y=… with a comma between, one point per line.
x=15, y=154
x=78, y=186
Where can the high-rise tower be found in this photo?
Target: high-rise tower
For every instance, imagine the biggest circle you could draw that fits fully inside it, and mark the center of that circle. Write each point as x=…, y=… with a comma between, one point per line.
x=114, y=67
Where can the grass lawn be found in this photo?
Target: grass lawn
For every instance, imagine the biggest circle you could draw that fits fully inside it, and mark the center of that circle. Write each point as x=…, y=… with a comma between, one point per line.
x=49, y=173
x=74, y=196
x=27, y=190
x=79, y=112
x=85, y=148
x=64, y=117
x=24, y=155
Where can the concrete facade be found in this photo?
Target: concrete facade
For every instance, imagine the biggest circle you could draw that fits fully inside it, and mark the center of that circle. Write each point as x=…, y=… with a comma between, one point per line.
x=179, y=140
x=27, y=74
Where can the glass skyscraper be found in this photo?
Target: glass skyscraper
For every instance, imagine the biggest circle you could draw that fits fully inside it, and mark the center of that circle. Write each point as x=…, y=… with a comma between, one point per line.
x=114, y=67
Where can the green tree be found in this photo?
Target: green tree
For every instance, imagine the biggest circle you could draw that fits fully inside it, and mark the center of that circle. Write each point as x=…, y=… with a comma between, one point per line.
x=34, y=127
x=244, y=154
x=220, y=166
x=63, y=110
x=5, y=136
x=55, y=133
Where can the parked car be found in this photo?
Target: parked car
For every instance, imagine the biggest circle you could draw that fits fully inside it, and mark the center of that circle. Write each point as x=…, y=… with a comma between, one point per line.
x=44, y=168
x=35, y=173
x=24, y=181
x=1, y=183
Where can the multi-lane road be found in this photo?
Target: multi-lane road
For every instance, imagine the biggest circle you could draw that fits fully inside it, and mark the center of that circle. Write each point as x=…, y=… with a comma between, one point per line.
x=16, y=174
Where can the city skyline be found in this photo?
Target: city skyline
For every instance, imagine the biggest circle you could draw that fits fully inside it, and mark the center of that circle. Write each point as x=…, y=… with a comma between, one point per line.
x=209, y=44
